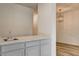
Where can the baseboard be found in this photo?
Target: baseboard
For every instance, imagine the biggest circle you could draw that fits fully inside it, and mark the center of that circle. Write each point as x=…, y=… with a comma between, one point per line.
x=67, y=44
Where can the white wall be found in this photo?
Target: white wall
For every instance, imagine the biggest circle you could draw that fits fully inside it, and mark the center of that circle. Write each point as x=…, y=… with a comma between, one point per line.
x=70, y=28
x=15, y=18
x=47, y=22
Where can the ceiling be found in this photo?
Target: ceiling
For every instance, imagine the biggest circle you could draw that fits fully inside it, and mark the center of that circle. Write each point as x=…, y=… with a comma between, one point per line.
x=67, y=6
x=30, y=5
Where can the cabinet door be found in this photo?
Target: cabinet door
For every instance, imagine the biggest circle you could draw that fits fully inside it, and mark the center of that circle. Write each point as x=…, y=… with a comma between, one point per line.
x=11, y=47
x=33, y=51
x=19, y=52
x=45, y=48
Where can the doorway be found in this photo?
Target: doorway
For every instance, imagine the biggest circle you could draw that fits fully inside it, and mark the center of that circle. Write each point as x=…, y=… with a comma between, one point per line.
x=67, y=29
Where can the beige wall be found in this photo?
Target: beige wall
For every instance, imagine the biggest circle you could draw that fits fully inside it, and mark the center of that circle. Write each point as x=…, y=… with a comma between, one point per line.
x=70, y=28
x=15, y=18
x=47, y=22
x=59, y=31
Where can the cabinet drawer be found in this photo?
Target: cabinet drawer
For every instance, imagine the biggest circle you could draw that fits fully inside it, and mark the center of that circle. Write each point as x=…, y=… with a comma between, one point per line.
x=9, y=47
x=34, y=51
x=32, y=43
x=46, y=41
x=19, y=52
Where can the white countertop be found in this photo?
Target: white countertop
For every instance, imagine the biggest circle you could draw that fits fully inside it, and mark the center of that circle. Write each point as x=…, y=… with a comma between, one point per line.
x=24, y=39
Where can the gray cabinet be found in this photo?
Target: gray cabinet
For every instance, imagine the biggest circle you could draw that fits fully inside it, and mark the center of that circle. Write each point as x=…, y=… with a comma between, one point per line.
x=29, y=48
